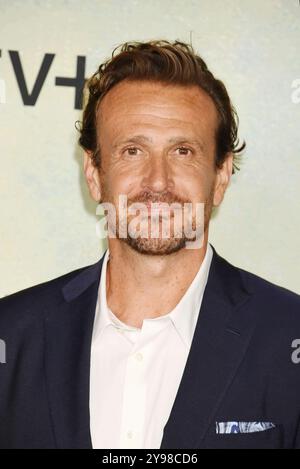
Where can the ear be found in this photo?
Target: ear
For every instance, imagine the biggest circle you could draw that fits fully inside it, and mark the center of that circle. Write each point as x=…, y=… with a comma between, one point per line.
x=222, y=179
x=92, y=176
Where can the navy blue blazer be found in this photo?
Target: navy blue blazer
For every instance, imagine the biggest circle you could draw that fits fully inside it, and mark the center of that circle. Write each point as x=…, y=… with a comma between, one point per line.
x=239, y=368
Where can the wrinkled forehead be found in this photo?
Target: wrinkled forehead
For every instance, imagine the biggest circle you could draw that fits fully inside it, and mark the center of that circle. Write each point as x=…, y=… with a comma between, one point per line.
x=155, y=103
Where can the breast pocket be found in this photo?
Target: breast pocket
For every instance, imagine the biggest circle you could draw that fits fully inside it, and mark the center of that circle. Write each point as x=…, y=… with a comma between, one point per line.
x=267, y=439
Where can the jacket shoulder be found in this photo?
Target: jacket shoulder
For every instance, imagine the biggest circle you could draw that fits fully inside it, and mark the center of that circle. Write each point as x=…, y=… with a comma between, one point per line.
x=276, y=303
x=23, y=301
x=261, y=285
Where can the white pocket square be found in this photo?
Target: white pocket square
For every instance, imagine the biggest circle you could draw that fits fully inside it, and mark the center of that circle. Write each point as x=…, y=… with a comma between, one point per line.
x=243, y=427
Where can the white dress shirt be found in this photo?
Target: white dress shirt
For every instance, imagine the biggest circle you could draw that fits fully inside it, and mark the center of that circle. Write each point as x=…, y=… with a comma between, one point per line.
x=136, y=372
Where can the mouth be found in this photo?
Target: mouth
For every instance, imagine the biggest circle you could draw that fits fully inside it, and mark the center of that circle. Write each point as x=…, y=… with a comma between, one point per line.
x=159, y=208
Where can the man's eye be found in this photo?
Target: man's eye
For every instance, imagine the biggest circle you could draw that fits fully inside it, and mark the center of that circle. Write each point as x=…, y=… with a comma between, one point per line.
x=131, y=151
x=184, y=150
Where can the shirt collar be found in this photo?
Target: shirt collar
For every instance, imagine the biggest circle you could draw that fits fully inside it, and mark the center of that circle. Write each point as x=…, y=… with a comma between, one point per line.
x=184, y=316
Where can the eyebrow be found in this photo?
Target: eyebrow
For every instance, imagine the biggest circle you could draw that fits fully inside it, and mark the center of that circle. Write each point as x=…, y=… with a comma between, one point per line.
x=176, y=140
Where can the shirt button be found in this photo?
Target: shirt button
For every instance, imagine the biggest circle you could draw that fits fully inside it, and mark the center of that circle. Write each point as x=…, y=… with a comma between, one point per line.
x=129, y=435
x=139, y=357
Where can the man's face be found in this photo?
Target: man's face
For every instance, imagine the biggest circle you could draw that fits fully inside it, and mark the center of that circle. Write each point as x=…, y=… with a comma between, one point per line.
x=157, y=144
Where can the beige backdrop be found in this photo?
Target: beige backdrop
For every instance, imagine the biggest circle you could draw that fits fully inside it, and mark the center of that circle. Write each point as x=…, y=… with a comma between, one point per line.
x=47, y=219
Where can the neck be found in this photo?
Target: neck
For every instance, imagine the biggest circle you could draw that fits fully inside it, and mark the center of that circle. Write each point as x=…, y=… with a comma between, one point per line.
x=142, y=287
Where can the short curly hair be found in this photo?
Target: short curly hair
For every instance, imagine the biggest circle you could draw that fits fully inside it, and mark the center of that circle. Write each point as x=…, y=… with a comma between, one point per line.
x=166, y=62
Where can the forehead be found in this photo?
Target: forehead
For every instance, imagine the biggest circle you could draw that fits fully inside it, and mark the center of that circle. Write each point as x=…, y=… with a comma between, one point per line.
x=145, y=103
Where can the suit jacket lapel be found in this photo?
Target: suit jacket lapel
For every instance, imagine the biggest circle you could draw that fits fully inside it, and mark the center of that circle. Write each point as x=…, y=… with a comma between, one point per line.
x=68, y=334
x=221, y=338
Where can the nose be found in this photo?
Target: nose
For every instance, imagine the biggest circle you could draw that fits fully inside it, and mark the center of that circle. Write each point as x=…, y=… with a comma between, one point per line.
x=157, y=175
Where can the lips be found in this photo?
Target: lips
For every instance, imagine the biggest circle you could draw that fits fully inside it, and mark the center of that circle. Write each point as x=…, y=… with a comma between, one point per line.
x=157, y=207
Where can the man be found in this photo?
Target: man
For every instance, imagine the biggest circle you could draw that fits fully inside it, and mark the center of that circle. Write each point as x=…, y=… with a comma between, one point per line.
x=162, y=343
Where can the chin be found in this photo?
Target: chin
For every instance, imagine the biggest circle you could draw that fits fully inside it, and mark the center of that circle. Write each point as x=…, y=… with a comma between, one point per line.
x=155, y=247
